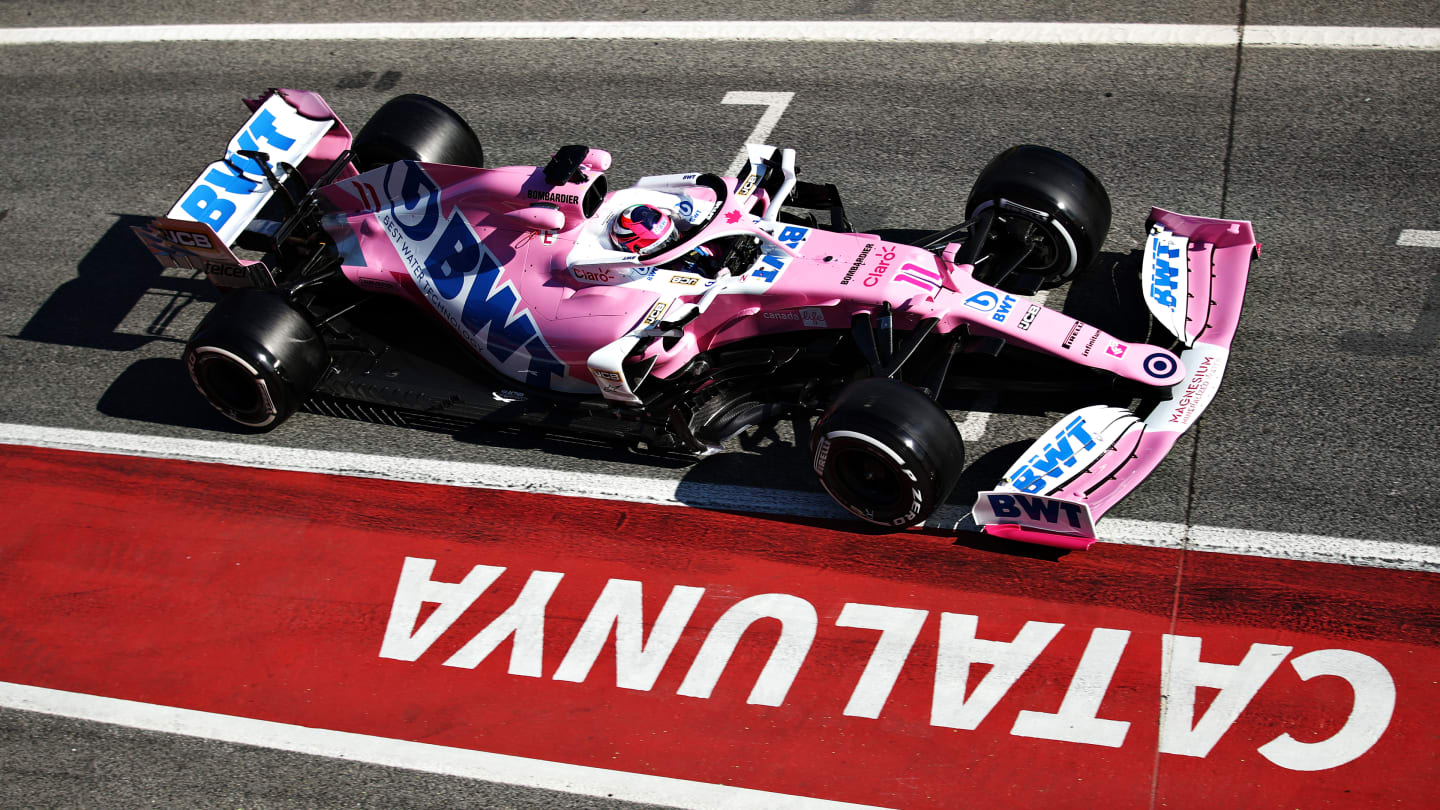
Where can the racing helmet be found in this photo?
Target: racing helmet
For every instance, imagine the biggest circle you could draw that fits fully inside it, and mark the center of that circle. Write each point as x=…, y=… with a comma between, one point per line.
x=642, y=229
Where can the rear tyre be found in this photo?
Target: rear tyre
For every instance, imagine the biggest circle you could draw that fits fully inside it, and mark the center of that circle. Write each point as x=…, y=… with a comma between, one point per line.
x=416, y=127
x=255, y=358
x=886, y=453
x=1046, y=196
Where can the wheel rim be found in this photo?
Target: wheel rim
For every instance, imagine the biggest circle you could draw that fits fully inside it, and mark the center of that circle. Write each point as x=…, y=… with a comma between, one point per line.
x=232, y=387
x=1047, y=257
x=870, y=481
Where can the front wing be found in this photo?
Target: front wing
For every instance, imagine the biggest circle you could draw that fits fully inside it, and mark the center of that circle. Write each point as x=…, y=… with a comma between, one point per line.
x=1194, y=274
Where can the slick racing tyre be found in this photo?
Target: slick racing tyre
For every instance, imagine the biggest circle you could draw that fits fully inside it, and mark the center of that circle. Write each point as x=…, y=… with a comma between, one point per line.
x=416, y=127
x=886, y=453
x=1048, y=197
x=255, y=358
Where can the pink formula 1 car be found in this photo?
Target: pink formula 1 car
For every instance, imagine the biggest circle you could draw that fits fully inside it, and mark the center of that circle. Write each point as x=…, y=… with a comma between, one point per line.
x=390, y=277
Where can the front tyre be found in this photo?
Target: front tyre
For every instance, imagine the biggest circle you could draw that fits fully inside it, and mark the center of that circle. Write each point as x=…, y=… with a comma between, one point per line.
x=255, y=358
x=1044, y=201
x=886, y=453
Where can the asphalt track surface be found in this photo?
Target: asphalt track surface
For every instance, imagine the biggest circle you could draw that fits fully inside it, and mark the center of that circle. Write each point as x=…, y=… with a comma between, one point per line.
x=1325, y=425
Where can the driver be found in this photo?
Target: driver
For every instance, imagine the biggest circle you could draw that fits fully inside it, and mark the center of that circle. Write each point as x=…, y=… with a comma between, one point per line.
x=643, y=229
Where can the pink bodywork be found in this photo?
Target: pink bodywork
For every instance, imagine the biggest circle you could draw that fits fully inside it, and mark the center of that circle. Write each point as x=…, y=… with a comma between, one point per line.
x=523, y=271
x=550, y=271
x=833, y=276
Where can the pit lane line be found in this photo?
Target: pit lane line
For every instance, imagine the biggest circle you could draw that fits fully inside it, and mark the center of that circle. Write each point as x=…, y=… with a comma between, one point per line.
x=941, y=32
x=1395, y=554
x=415, y=756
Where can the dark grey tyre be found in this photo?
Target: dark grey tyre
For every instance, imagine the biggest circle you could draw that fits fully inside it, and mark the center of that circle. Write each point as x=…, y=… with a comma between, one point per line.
x=886, y=453
x=1046, y=200
x=255, y=358
x=416, y=127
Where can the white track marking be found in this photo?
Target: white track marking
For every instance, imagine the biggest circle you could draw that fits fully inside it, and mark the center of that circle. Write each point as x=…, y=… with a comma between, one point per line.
x=774, y=103
x=1412, y=238
x=415, y=756
x=1318, y=548
x=972, y=428
x=915, y=31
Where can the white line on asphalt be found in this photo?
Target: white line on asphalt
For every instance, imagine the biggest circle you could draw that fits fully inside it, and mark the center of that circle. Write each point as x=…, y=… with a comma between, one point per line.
x=1413, y=238
x=727, y=497
x=416, y=756
x=913, y=31
x=774, y=104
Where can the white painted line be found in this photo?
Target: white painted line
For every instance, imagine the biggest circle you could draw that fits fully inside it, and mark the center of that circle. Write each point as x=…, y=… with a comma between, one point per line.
x=415, y=756
x=774, y=103
x=915, y=31
x=972, y=427
x=1316, y=548
x=1413, y=238
x=1336, y=37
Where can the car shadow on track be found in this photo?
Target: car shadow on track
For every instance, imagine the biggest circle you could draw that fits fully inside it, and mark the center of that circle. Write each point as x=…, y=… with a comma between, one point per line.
x=158, y=390
x=778, y=465
x=111, y=280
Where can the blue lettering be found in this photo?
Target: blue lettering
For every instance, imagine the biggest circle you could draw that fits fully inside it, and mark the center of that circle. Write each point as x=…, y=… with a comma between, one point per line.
x=244, y=164
x=1072, y=511
x=1004, y=506
x=793, y=235
x=1055, y=455
x=263, y=127
x=235, y=184
x=484, y=310
x=542, y=364
x=1077, y=429
x=1004, y=311
x=204, y=205
x=1040, y=509
x=983, y=301
x=1163, y=285
x=1028, y=479
x=775, y=263
x=455, y=254
x=1031, y=477
x=411, y=185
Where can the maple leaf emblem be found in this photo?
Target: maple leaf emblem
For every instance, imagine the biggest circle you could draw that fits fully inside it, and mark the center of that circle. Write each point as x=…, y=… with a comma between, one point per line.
x=732, y=217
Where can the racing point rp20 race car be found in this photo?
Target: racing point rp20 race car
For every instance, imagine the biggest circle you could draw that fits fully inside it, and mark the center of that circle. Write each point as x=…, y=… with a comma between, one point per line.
x=393, y=278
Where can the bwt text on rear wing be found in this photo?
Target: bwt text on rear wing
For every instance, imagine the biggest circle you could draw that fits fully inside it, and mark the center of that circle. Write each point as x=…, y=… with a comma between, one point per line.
x=290, y=132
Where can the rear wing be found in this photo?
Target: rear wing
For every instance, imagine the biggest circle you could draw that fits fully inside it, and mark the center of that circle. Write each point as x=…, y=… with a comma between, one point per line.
x=1194, y=271
x=290, y=132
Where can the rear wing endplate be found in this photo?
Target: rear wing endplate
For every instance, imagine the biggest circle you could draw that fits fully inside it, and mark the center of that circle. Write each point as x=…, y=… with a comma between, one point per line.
x=289, y=131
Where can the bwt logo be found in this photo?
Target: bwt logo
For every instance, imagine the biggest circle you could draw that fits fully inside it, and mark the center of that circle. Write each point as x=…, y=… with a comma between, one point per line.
x=459, y=276
x=793, y=237
x=1164, y=284
x=989, y=301
x=204, y=203
x=983, y=301
x=1039, y=509
x=1059, y=454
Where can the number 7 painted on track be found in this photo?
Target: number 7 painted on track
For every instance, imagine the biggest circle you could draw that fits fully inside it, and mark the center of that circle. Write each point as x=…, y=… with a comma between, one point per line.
x=775, y=104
